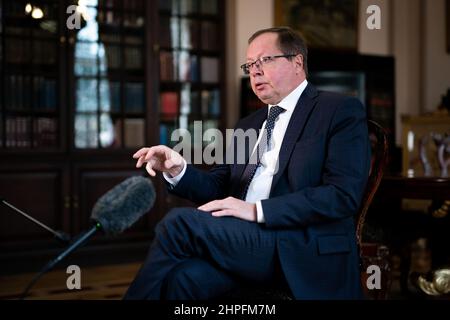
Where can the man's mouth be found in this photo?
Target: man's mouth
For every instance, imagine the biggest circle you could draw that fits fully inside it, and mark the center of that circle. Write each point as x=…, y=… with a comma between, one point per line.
x=259, y=86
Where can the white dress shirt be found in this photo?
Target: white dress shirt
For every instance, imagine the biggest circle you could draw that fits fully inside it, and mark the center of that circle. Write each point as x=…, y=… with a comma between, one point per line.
x=261, y=183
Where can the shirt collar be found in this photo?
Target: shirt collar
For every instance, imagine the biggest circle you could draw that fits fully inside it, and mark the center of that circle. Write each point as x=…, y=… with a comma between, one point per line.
x=290, y=101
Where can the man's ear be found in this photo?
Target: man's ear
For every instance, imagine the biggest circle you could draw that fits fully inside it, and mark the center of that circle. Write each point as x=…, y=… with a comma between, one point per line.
x=299, y=61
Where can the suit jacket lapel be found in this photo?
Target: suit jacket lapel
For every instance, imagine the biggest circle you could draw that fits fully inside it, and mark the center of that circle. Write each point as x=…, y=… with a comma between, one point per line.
x=295, y=128
x=259, y=117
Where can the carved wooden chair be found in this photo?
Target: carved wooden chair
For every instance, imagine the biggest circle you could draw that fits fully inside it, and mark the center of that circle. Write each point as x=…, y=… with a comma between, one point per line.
x=370, y=253
x=374, y=253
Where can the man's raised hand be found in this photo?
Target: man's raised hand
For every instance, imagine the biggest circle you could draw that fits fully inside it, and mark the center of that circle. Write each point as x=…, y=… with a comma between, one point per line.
x=159, y=158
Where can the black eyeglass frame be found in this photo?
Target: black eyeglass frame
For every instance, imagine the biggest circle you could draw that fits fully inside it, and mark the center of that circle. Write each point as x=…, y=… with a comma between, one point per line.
x=246, y=66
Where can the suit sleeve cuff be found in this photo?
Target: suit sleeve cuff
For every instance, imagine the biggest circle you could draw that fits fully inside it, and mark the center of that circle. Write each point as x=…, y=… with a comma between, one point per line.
x=259, y=213
x=174, y=180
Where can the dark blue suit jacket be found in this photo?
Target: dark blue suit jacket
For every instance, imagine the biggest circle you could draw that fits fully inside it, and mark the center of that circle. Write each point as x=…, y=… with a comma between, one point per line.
x=323, y=169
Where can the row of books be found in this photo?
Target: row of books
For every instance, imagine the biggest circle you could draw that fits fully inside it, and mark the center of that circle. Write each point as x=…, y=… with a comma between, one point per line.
x=20, y=132
x=181, y=66
x=23, y=92
x=134, y=97
x=165, y=133
x=87, y=99
x=205, y=103
x=113, y=19
x=175, y=32
x=168, y=63
x=134, y=133
x=166, y=129
x=210, y=36
x=129, y=5
x=184, y=7
x=133, y=58
x=20, y=51
x=91, y=59
x=106, y=36
x=184, y=33
x=110, y=135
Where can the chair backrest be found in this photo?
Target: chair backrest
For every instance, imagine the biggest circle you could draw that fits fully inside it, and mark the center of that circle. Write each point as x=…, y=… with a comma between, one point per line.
x=379, y=144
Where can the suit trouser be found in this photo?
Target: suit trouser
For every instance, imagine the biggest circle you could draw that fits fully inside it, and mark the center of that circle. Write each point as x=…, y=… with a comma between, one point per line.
x=197, y=256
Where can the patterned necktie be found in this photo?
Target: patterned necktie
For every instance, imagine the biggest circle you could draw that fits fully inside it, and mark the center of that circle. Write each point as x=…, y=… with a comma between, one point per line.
x=264, y=145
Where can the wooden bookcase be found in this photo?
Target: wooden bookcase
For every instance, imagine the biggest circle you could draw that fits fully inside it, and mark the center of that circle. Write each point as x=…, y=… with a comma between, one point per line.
x=76, y=104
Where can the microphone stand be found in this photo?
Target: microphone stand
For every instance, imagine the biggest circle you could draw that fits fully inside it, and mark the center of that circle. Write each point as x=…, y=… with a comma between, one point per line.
x=52, y=263
x=61, y=236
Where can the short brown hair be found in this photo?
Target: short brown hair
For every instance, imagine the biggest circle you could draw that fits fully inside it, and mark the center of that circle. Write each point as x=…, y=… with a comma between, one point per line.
x=289, y=42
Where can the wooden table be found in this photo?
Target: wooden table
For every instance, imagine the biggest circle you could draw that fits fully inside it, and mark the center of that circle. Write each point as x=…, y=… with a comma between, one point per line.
x=415, y=188
x=433, y=188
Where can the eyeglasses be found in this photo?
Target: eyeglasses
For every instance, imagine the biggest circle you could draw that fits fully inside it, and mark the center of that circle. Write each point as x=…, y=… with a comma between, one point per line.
x=262, y=61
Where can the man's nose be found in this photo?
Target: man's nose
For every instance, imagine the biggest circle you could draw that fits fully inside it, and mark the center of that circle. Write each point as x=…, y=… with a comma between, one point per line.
x=256, y=69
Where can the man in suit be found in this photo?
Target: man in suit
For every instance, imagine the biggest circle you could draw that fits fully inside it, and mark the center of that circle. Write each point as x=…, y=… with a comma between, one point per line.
x=286, y=216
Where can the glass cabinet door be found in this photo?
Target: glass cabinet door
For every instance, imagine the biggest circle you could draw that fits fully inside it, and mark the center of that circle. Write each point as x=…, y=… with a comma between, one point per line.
x=190, y=62
x=30, y=110
x=109, y=75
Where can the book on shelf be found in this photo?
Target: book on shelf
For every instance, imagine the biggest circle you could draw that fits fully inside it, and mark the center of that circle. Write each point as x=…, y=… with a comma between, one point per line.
x=188, y=67
x=18, y=92
x=134, y=97
x=195, y=102
x=17, y=133
x=165, y=39
x=45, y=132
x=169, y=104
x=134, y=5
x=134, y=132
x=45, y=93
x=210, y=69
x=114, y=92
x=44, y=53
x=209, y=137
x=131, y=39
x=210, y=35
x=165, y=133
x=214, y=103
x=133, y=58
x=109, y=38
x=18, y=51
x=210, y=103
x=113, y=56
x=117, y=132
x=189, y=34
x=188, y=7
x=185, y=101
x=27, y=92
x=209, y=7
x=133, y=20
x=168, y=62
x=170, y=6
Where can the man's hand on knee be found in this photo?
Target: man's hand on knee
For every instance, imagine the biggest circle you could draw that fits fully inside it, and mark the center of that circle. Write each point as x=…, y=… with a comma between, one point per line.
x=231, y=207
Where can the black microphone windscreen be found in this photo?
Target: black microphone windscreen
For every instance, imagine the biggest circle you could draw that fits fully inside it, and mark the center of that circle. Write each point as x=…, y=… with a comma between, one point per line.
x=124, y=204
